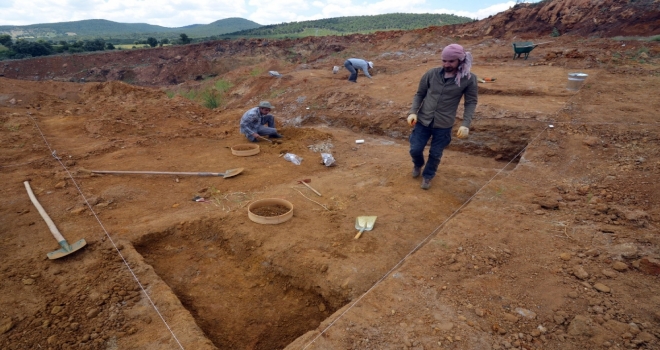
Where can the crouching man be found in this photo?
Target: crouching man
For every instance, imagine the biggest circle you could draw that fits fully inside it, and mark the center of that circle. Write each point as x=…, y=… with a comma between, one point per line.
x=258, y=122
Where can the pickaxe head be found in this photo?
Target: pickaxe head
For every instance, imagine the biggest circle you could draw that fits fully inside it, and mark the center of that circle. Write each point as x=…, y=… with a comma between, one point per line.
x=66, y=249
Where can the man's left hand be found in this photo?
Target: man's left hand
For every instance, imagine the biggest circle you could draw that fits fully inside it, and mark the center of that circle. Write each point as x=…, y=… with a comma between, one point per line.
x=462, y=132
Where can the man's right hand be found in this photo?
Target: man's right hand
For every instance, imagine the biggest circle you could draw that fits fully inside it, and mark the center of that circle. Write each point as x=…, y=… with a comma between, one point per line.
x=412, y=119
x=255, y=135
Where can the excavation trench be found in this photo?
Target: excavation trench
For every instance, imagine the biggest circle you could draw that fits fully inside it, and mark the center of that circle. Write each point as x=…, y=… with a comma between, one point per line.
x=237, y=297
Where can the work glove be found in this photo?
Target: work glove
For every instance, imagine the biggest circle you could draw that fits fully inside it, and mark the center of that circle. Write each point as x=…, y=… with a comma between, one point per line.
x=462, y=132
x=412, y=119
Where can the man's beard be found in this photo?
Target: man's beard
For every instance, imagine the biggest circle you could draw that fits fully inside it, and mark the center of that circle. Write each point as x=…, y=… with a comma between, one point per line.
x=450, y=70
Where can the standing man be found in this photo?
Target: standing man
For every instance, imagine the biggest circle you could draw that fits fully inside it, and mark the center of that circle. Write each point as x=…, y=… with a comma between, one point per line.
x=435, y=105
x=253, y=121
x=355, y=64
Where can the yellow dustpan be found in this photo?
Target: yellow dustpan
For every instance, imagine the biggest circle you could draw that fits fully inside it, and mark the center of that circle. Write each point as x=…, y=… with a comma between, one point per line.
x=364, y=223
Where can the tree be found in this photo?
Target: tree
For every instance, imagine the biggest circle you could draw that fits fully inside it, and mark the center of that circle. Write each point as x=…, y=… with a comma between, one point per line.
x=164, y=41
x=109, y=46
x=152, y=41
x=184, y=38
x=26, y=48
x=5, y=40
x=94, y=45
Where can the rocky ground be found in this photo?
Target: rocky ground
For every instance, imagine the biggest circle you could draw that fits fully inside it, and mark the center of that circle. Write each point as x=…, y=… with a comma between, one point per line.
x=540, y=230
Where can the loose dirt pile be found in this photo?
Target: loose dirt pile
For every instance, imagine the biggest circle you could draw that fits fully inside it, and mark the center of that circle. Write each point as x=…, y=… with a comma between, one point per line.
x=540, y=230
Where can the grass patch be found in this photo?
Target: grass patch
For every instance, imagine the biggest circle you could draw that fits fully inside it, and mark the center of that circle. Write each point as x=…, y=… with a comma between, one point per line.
x=13, y=127
x=256, y=71
x=210, y=99
x=190, y=94
x=223, y=85
x=277, y=92
x=637, y=38
x=131, y=46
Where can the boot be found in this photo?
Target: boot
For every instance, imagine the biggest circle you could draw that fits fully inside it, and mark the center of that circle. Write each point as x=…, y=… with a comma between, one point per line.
x=426, y=184
x=416, y=171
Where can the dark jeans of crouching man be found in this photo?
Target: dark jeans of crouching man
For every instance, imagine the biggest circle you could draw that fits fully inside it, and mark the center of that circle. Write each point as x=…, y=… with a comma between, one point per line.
x=440, y=138
x=351, y=69
x=265, y=130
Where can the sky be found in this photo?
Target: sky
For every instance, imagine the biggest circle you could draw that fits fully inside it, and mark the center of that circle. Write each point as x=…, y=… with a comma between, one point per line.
x=179, y=13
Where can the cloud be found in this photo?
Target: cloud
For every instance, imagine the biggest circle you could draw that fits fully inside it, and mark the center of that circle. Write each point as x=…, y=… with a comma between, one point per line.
x=274, y=11
x=179, y=13
x=168, y=13
x=271, y=12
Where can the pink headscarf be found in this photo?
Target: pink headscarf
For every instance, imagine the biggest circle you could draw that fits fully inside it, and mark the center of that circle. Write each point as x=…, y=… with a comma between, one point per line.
x=456, y=52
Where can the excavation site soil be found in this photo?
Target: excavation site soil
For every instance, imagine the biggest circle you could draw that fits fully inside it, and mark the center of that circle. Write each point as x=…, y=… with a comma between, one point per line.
x=540, y=230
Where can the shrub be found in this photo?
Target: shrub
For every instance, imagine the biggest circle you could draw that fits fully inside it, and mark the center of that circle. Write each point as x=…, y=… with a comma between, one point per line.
x=211, y=99
x=94, y=45
x=24, y=49
x=555, y=32
x=5, y=40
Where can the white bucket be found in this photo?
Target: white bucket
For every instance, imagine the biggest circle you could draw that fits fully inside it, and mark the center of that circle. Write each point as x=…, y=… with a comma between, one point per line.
x=335, y=69
x=575, y=81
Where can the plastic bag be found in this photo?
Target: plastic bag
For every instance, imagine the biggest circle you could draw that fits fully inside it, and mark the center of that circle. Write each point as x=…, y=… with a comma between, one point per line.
x=293, y=158
x=328, y=159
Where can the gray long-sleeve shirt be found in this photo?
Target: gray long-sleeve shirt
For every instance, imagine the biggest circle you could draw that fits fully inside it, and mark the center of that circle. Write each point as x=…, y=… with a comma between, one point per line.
x=361, y=64
x=439, y=98
x=250, y=121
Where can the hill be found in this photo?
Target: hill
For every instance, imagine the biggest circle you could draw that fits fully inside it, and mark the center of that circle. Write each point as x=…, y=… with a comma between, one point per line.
x=607, y=18
x=352, y=24
x=100, y=28
x=227, y=28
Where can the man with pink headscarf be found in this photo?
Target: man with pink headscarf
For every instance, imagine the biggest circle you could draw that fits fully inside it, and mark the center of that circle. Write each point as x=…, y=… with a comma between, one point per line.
x=434, y=107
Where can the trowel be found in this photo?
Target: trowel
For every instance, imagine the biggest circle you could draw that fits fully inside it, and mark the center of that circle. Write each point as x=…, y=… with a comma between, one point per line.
x=364, y=223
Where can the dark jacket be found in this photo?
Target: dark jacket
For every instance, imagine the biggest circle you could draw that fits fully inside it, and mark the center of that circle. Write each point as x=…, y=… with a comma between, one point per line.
x=439, y=99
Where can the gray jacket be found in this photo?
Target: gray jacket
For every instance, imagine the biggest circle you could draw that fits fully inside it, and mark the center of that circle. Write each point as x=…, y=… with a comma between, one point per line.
x=439, y=98
x=361, y=64
x=250, y=121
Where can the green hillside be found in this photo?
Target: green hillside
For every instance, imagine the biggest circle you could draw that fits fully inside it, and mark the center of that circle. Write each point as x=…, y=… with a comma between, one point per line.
x=353, y=24
x=100, y=28
x=223, y=26
x=75, y=36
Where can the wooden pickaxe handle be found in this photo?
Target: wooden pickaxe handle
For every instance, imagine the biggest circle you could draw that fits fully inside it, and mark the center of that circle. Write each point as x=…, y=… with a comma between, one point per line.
x=310, y=187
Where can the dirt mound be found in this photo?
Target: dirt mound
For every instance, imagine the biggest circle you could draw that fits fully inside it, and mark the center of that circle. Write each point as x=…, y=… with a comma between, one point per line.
x=178, y=64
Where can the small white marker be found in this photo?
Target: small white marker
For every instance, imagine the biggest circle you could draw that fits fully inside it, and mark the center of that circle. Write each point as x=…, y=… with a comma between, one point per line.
x=359, y=141
x=307, y=108
x=551, y=126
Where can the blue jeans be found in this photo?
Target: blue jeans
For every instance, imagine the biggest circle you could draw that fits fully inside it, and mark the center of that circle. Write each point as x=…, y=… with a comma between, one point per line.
x=440, y=138
x=351, y=69
x=268, y=130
